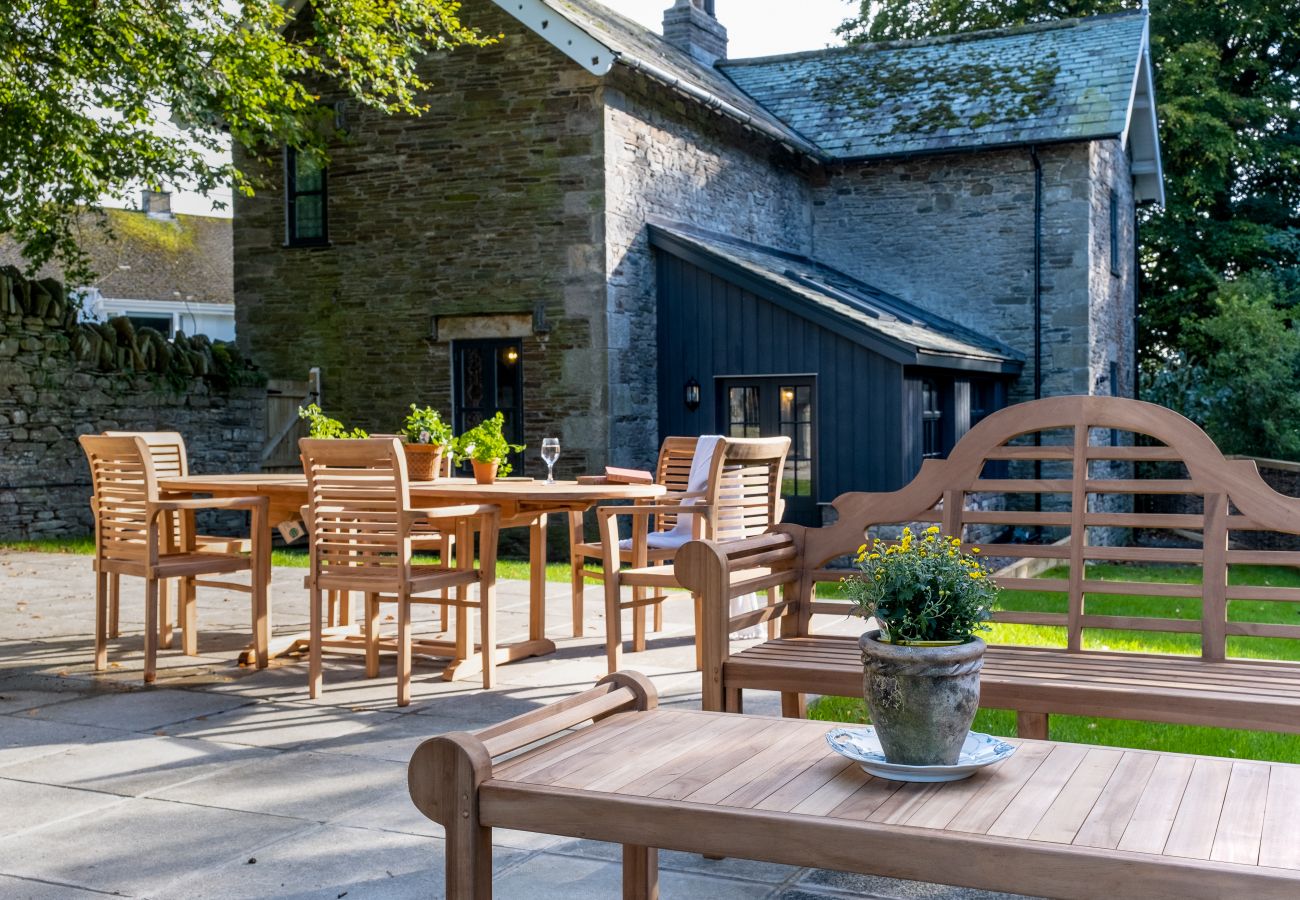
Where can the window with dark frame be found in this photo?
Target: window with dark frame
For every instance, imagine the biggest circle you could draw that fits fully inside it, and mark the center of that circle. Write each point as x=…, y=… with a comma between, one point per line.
x=1114, y=232
x=305, y=197
x=931, y=420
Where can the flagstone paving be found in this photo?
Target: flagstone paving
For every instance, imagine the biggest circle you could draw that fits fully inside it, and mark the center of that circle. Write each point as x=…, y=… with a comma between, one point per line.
x=222, y=782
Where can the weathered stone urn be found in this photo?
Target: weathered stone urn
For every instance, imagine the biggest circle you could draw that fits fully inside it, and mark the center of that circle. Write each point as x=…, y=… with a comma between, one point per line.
x=922, y=699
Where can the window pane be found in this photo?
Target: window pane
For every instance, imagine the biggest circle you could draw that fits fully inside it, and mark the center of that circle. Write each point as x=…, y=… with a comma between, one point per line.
x=803, y=404
x=742, y=403
x=309, y=222
x=307, y=174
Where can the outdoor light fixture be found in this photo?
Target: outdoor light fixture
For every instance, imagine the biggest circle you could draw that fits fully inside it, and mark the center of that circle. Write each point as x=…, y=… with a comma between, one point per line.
x=692, y=395
x=511, y=356
x=787, y=394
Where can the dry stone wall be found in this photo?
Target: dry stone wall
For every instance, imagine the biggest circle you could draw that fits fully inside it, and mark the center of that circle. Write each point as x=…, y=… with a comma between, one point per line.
x=49, y=398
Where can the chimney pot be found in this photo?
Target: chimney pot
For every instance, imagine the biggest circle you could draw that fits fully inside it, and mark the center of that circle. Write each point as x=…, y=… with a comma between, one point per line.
x=692, y=26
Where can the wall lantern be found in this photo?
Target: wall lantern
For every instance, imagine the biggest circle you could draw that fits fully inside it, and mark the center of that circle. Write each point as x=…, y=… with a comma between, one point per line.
x=692, y=395
x=511, y=356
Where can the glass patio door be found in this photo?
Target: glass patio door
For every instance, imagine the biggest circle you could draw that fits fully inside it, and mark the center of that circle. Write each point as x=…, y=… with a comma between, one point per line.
x=779, y=405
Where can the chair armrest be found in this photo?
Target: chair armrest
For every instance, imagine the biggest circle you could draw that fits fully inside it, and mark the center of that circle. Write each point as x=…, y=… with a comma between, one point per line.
x=156, y=507
x=656, y=510
x=463, y=511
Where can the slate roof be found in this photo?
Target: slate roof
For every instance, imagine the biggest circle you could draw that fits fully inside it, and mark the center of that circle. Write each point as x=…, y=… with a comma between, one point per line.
x=853, y=308
x=638, y=48
x=1068, y=80
x=185, y=257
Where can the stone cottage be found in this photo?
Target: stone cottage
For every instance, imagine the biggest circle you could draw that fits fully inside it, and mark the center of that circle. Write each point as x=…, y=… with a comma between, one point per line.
x=613, y=235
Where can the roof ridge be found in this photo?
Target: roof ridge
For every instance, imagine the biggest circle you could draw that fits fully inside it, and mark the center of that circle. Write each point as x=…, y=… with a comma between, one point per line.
x=959, y=37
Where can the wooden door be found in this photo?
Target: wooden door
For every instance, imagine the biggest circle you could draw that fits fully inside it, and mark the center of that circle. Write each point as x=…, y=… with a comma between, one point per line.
x=488, y=376
x=283, y=427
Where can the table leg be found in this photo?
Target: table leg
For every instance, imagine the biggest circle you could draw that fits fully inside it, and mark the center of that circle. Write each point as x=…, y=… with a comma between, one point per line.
x=640, y=873
x=537, y=590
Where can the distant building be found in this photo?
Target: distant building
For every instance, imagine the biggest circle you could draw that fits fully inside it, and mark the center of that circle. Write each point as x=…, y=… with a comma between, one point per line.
x=169, y=272
x=613, y=235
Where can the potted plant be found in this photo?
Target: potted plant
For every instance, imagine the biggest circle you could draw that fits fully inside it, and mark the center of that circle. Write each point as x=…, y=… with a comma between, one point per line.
x=322, y=426
x=921, y=666
x=425, y=438
x=487, y=449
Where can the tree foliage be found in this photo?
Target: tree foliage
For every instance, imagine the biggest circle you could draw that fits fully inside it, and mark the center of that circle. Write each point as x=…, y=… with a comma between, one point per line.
x=98, y=96
x=1228, y=100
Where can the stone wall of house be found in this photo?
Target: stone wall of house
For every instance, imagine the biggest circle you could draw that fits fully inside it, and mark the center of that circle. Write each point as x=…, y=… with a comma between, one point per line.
x=954, y=233
x=667, y=158
x=470, y=216
x=48, y=399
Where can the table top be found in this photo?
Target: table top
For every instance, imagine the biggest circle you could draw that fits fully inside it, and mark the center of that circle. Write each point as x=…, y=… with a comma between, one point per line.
x=464, y=490
x=1131, y=811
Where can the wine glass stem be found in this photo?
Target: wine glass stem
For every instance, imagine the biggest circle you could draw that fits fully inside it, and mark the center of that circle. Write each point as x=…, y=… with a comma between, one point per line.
x=550, y=473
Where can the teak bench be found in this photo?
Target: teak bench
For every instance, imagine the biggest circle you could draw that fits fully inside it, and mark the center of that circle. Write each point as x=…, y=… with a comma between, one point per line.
x=1061, y=464
x=1054, y=820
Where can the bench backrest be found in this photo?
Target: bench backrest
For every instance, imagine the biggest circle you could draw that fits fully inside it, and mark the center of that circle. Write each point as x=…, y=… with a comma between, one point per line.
x=1079, y=467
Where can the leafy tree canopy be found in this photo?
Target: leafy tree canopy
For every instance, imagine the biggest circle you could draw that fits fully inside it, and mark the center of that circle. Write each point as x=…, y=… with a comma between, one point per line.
x=100, y=95
x=1228, y=99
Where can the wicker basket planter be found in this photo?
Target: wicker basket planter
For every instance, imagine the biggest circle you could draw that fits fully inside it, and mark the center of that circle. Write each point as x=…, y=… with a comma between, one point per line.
x=424, y=461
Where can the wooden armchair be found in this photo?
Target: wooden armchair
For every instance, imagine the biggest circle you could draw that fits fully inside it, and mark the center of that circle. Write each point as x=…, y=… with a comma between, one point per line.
x=742, y=499
x=673, y=472
x=362, y=532
x=136, y=534
x=170, y=460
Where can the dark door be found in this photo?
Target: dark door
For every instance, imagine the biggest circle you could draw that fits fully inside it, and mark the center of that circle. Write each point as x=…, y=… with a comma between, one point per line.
x=489, y=377
x=779, y=405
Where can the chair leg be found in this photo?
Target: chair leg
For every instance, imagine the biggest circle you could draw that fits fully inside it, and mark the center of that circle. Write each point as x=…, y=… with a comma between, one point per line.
x=331, y=609
x=114, y=604
x=103, y=616
x=403, y=650
x=150, y=629
x=488, y=632
x=659, y=618
x=189, y=618
x=164, y=613
x=577, y=580
x=345, y=608
x=638, y=621
x=314, y=678
x=261, y=620
x=794, y=706
x=733, y=700
x=372, y=635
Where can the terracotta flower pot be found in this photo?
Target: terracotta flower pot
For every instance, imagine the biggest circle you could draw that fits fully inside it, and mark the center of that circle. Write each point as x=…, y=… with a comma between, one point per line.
x=485, y=472
x=922, y=699
x=424, y=461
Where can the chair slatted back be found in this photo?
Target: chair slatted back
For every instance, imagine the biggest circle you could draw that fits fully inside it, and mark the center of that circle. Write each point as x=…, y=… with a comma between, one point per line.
x=166, y=449
x=674, y=472
x=745, y=487
x=123, y=481
x=1065, y=482
x=357, y=491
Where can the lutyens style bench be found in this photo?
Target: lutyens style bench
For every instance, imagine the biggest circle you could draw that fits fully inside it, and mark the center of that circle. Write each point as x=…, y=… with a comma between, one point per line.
x=1085, y=468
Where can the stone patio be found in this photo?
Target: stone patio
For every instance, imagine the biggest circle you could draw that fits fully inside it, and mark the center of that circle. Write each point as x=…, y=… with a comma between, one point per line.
x=222, y=782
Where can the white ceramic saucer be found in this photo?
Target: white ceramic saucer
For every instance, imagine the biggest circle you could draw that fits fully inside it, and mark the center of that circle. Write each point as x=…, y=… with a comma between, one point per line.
x=863, y=747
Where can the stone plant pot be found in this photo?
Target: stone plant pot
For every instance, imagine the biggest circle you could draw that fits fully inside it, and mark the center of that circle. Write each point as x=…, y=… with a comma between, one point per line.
x=423, y=461
x=922, y=699
x=485, y=472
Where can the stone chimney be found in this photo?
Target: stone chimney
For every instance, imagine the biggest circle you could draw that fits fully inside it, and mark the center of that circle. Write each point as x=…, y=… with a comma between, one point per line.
x=691, y=25
x=157, y=204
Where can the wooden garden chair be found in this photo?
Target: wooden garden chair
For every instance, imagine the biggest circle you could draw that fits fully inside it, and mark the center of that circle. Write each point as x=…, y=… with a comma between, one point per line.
x=362, y=531
x=170, y=460
x=740, y=497
x=136, y=534
x=673, y=472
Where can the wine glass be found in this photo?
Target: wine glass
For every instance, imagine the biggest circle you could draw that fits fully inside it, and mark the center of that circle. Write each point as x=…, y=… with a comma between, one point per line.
x=550, y=453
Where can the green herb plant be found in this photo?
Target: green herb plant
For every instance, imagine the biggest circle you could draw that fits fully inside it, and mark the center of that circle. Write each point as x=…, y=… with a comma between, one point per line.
x=425, y=426
x=486, y=442
x=322, y=426
x=922, y=589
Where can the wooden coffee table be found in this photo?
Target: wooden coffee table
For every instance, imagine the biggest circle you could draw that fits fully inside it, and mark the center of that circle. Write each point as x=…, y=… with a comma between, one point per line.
x=1055, y=820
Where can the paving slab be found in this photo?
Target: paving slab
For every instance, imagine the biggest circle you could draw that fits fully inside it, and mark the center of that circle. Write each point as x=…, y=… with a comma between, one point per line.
x=30, y=806
x=550, y=876
x=139, y=846
x=134, y=765
x=27, y=889
x=394, y=811
x=146, y=709
x=280, y=725
x=315, y=787
x=893, y=888
x=24, y=737
x=745, y=869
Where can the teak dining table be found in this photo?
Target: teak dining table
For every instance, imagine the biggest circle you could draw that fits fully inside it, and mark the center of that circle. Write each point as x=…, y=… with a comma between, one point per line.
x=523, y=503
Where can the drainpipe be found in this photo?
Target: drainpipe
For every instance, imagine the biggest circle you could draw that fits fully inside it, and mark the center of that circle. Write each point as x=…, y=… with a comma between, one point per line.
x=1038, y=307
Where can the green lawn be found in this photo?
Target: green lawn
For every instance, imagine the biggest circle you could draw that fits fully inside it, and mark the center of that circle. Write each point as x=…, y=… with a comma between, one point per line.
x=1121, y=733
x=296, y=558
